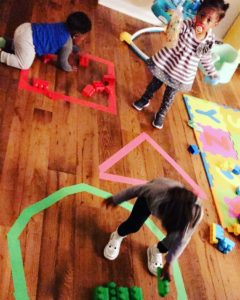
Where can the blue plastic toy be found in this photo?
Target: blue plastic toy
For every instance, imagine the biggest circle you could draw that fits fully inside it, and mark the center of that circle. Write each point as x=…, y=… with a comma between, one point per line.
x=225, y=245
x=161, y=8
x=193, y=149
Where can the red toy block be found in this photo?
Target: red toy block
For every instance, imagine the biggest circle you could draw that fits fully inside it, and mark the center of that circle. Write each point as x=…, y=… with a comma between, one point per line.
x=41, y=84
x=84, y=61
x=88, y=91
x=48, y=57
x=99, y=86
x=109, y=78
x=108, y=89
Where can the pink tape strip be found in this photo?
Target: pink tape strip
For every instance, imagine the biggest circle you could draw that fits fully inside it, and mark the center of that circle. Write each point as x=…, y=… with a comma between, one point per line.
x=132, y=145
x=110, y=108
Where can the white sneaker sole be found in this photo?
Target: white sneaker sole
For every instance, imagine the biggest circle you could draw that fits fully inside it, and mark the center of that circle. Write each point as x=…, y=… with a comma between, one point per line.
x=149, y=268
x=138, y=108
x=108, y=256
x=156, y=126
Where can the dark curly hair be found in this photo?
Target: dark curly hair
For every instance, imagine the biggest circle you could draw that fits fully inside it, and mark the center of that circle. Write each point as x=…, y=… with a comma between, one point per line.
x=219, y=5
x=78, y=22
x=177, y=213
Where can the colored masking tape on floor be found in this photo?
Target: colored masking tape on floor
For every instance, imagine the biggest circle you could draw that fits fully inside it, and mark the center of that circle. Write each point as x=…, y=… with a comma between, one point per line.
x=19, y=281
x=178, y=280
x=16, y=261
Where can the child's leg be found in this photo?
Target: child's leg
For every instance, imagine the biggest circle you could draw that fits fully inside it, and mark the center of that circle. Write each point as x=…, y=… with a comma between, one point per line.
x=24, y=52
x=138, y=216
x=168, y=98
x=152, y=87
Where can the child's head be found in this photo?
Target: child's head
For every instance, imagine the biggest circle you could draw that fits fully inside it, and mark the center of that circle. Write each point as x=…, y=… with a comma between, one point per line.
x=78, y=23
x=210, y=13
x=178, y=211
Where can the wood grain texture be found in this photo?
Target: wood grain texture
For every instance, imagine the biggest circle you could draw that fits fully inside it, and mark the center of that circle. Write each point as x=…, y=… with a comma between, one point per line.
x=46, y=145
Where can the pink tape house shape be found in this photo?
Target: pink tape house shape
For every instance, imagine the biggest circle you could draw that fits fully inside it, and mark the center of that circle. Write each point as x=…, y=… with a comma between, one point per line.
x=134, y=181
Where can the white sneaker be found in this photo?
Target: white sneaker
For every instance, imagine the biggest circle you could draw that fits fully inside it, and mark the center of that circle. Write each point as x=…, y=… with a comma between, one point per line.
x=154, y=259
x=112, y=248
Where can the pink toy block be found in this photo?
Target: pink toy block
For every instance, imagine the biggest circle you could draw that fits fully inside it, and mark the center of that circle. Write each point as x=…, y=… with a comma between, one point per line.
x=84, y=61
x=99, y=86
x=41, y=84
x=88, y=91
x=109, y=78
x=47, y=58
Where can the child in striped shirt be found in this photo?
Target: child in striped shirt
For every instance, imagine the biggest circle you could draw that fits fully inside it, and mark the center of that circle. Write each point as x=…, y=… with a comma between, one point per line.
x=177, y=66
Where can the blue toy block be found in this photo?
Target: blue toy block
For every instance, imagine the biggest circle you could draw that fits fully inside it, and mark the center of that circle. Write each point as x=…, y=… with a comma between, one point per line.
x=219, y=232
x=193, y=149
x=225, y=245
x=236, y=170
x=238, y=190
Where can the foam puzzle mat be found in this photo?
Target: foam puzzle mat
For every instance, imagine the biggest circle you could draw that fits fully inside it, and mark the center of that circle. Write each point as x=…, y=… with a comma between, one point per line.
x=219, y=143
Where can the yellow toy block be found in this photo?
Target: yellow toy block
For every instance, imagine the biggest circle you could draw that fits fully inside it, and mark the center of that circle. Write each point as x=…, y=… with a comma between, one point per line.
x=235, y=229
x=126, y=37
x=213, y=239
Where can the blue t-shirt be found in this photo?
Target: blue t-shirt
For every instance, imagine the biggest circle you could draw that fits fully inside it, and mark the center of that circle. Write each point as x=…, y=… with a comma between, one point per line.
x=49, y=38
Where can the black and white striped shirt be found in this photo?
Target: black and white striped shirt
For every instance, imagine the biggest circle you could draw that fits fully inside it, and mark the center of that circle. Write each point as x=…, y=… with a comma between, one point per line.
x=181, y=62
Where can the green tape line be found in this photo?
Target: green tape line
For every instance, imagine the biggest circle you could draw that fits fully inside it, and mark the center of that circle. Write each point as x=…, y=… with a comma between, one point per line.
x=181, y=292
x=19, y=281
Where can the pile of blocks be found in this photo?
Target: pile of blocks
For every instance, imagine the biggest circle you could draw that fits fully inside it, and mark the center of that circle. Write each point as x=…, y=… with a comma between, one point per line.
x=111, y=292
x=222, y=243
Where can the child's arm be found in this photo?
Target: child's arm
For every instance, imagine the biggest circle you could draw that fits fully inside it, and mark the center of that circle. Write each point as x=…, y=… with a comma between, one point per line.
x=63, y=56
x=127, y=194
x=208, y=65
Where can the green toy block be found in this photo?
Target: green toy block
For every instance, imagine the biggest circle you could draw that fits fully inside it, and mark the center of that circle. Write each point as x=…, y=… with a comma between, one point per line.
x=163, y=284
x=100, y=293
x=135, y=293
x=122, y=293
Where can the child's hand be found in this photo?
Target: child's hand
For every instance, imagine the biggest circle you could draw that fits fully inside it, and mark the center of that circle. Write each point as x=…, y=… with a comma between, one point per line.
x=109, y=202
x=167, y=272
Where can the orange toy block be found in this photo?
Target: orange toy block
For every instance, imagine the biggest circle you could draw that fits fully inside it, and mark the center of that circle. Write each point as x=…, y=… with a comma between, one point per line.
x=88, y=91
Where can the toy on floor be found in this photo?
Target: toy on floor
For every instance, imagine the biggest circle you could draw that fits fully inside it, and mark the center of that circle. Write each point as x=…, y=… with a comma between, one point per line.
x=222, y=243
x=162, y=8
x=111, y=292
x=163, y=284
x=235, y=229
x=193, y=149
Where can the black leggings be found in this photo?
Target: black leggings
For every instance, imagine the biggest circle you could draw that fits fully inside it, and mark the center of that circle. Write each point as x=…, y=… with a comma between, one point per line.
x=135, y=221
x=168, y=96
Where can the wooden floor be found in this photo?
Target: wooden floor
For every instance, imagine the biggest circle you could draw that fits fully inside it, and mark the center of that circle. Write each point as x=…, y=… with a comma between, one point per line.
x=46, y=145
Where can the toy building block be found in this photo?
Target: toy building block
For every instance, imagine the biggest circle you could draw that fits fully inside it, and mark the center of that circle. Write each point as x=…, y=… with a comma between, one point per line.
x=84, y=61
x=99, y=86
x=235, y=229
x=236, y=170
x=47, y=58
x=135, y=293
x=122, y=293
x=108, y=89
x=193, y=149
x=109, y=78
x=88, y=91
x=112, y=290
x=163, y=284
x=225, y=245
x=41, y=84
x=238, y=190
x=213, y=239
x=100, y=293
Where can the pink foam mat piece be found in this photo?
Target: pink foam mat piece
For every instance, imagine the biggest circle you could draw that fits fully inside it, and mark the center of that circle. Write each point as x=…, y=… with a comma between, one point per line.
x=128, y=148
